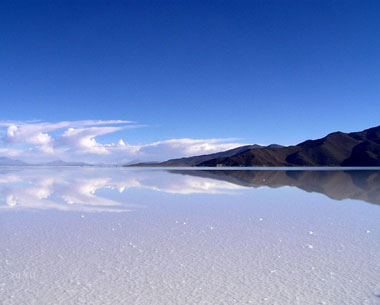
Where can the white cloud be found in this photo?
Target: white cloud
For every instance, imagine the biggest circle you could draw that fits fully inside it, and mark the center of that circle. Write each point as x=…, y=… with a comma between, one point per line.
x=76, y=141
x=83, y=139
x=26, y=134
x=10, y=152
x=187, y=147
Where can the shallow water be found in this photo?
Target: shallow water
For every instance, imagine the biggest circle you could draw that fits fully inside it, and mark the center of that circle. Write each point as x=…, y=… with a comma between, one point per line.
x=155, y=236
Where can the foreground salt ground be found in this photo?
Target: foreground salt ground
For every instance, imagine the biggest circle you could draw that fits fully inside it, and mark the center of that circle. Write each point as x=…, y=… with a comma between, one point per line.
x=142, y=237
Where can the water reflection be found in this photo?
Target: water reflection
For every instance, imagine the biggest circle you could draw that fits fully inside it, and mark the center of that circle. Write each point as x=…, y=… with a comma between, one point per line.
x=97, y=189
x=336, y=184
x=59, y=189
x=93, y=189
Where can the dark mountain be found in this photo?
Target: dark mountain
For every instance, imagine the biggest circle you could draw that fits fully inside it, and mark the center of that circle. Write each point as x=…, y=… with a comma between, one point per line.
x=337, y=184
x=336, y=149
x=194, y=161
x=4, y=161
x=135, y=162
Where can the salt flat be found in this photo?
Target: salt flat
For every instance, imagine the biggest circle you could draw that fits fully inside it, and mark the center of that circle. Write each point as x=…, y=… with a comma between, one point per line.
x=141, y=236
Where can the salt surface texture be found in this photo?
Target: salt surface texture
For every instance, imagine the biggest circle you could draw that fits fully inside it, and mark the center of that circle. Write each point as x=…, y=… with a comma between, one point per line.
x=117, y=236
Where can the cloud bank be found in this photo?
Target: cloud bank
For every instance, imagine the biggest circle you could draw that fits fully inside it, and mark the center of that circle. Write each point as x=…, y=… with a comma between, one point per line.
x=77, y=141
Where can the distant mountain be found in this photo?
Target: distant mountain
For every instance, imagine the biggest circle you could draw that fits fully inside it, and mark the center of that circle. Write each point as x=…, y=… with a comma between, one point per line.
x=337, y=184
x=63, y=163
x=4, y=161
x=194, y=161
x=142, y=164
x=336, y=149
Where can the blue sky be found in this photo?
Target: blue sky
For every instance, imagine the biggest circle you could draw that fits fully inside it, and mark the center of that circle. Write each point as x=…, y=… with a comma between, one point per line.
x=255, y=71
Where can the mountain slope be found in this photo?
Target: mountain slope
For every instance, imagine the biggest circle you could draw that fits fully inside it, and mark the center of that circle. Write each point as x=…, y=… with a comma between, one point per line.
x=336, y=149
x=193, y=161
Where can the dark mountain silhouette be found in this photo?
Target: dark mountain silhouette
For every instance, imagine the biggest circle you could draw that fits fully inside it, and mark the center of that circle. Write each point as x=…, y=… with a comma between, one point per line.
x=361, y=185
x=193, y=161
x=336, y=149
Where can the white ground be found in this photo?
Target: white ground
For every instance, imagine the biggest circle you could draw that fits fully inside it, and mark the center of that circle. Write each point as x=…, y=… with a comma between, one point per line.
x=220, y=244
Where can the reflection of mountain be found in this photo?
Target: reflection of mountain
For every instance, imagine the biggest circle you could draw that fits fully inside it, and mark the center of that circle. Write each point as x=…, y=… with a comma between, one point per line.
x=336, y=184
x=106, y=189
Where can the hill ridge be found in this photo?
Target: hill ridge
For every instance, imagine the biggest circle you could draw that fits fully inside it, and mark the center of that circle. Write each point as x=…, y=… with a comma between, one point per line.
x=335, y=149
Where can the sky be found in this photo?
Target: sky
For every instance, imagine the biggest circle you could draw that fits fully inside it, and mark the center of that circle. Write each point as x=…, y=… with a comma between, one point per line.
x=120, y=81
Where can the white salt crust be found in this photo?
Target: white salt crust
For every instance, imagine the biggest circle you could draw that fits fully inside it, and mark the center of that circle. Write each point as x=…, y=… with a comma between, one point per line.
x=220, y=244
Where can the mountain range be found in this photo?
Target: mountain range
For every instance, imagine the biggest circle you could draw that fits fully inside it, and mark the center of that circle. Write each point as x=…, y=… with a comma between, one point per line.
x=4, y=161
x=336, y=149
x=352, y=149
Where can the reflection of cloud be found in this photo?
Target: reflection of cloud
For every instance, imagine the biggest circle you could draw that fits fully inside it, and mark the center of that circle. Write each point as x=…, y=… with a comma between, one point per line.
x=70, y=190
x=78, y=189
x=163, y=181
x=100, y=189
